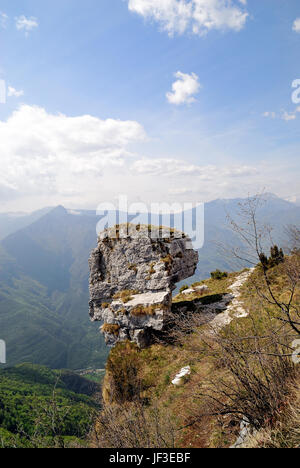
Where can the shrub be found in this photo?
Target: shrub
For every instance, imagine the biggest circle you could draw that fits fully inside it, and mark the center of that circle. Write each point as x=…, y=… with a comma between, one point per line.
x=122, y=371
x=183, y=288
x=276, y=257
x=218, y=274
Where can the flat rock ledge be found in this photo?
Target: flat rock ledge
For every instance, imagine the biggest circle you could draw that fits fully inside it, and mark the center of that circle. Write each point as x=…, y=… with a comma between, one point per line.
x=133, y=271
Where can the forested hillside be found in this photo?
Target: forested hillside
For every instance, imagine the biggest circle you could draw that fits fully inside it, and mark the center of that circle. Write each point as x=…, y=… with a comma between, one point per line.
x=40, y=407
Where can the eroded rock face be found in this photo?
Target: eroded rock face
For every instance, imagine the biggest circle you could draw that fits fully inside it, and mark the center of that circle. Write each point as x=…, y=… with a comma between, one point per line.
x=133, y=273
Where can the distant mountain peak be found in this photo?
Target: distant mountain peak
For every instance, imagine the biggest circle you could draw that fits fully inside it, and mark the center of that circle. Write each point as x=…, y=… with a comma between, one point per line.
x=59, y=210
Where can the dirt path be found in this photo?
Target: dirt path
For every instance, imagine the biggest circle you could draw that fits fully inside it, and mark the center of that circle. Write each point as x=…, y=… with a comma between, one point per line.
x=235, y=309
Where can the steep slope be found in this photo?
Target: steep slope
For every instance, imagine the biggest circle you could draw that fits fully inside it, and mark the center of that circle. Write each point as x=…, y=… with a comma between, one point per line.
x=44, y=293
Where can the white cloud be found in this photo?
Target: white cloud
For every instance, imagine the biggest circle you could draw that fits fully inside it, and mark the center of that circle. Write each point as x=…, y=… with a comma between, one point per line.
x=41, y=153
x=3, y=19
x=26, y=24
x=12, y=92
x=195, y=16
x=296, y=25
x=184, y=89
x=272, y=115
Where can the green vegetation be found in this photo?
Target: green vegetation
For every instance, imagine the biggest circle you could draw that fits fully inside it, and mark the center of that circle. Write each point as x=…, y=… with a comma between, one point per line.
x=183, y=288
x=216, y=289
x=218, y=274
x=44, y=408
x=95, y=375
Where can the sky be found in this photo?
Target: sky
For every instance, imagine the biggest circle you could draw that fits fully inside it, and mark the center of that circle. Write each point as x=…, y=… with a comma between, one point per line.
x=160, y=100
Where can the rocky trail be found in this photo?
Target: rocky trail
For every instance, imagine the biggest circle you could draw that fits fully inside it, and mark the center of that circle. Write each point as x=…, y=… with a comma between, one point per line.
x=235, y=309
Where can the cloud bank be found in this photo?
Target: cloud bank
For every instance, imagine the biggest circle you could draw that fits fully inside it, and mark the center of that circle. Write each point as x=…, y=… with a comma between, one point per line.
x=42, y=153
x=50, y=159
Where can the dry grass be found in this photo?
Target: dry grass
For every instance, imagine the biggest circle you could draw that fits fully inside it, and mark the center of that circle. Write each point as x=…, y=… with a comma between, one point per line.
x=168, y=261
x=111, y=328
x=133, y=267
x=125, y=295
x=152, y=309
x=286, y=431
x=132, y=425
x=152, y=269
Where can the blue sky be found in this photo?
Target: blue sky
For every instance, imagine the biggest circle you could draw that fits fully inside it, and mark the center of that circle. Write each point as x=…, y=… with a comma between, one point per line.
x=87, y=115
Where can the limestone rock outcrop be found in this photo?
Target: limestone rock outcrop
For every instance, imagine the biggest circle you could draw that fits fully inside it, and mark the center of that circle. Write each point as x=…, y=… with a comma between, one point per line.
x=133, y=271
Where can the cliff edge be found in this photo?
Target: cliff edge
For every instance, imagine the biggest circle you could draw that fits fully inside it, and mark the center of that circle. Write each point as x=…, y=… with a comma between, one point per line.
x=133, y=271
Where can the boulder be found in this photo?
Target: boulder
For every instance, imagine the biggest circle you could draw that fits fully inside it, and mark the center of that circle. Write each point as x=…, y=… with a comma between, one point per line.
x=188, y=291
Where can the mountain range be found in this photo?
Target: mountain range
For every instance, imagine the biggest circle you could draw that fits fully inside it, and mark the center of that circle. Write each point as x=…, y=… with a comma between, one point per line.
x=44, y=278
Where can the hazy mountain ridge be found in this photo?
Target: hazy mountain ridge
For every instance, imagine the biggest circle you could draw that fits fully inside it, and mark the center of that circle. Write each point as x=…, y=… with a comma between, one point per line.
x=11, y=222
x=44, y=280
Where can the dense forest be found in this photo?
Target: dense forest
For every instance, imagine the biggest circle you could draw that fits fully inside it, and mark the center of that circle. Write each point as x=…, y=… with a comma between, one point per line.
x=40, y=407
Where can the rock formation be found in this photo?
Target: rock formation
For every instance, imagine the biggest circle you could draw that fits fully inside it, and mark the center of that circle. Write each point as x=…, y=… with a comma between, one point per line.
x=133, y=271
